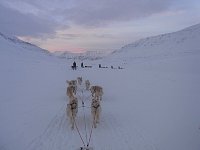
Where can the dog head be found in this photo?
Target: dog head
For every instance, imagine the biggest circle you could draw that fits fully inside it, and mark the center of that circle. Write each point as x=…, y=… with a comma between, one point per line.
x=71, y=82
x=87, y=82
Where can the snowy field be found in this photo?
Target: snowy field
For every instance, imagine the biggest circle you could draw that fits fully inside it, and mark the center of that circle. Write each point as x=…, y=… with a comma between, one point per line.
x=151, y=104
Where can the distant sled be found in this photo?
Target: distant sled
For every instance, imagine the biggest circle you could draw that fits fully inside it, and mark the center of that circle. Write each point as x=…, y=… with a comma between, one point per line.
x=86, y=148
x=88, y=66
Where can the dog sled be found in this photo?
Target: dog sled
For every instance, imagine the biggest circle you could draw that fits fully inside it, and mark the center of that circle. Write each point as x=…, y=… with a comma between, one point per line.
x=85, y=148
x=72, y=108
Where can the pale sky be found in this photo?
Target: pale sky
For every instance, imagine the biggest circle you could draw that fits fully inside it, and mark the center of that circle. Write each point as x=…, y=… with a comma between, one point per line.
x=80, y=25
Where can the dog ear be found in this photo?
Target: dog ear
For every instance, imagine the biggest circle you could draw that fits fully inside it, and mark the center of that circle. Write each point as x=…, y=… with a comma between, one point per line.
x=67, y=81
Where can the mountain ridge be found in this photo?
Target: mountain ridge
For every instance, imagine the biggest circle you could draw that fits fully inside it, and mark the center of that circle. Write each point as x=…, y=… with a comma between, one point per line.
x=23, y=44
x=182, y=41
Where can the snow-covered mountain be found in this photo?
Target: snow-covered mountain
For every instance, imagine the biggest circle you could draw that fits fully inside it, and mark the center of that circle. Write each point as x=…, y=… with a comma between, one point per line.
x=88, y=55
x=176, y=43
x=12, y=42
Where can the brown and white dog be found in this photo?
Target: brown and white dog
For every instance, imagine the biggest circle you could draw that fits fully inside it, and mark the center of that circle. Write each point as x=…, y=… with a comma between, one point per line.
x=71, y=91
x=87, y=85
x=73, y=83
x=95, y=110
x=72, y=110
x=97, y=91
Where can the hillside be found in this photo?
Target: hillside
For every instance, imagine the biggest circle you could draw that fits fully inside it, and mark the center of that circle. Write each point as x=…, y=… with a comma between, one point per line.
x=13, y=49
x=181, y=42
x=15, y=42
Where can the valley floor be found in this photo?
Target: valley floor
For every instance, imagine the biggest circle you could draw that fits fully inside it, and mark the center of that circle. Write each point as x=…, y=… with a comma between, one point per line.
x=150, y=105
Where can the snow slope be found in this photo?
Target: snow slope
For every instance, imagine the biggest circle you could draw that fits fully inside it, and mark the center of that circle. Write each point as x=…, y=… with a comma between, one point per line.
x=150, y=105
x=181, y=42
x=11, y=40
x=23, y=69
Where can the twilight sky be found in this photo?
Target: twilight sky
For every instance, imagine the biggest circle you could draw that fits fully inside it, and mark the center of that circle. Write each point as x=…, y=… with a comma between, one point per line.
x=79, y=25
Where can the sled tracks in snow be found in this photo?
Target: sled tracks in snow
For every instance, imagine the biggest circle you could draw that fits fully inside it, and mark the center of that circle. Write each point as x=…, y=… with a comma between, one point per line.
x=111, y=134
x=57, y=135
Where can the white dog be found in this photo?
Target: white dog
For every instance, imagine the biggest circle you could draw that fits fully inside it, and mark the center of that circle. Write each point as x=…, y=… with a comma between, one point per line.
x=97, y=91
x=87, y=84
x=80, y=80
x=72, y=110
x=95, y=110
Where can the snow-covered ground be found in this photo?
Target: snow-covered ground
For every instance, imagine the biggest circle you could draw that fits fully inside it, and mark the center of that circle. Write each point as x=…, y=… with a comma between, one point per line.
x=151, y=104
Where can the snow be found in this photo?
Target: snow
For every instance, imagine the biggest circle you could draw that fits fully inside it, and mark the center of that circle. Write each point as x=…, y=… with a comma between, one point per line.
x=151, y=104
x=178, y=43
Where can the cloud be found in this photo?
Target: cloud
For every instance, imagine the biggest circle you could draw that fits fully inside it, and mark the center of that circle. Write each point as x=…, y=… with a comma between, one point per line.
x=103, y=12
x=36, y=18
x=16, y=23
x=71, y=36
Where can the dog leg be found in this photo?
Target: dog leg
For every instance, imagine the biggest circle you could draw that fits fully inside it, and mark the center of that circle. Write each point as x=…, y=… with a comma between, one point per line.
x=72, y=122
x=94, y=121
x=95, y=125
x=97, y=119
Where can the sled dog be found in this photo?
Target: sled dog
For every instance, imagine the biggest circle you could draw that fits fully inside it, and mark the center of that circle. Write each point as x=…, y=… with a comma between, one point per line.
x=71, y=91
x=80, y=80
x=74, y=84
x=95, y=110
x=87, y=84
x=72, y=110
x=97, y=91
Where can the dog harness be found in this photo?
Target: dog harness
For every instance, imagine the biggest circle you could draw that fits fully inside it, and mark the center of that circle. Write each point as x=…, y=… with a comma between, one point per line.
x=73, y=105
x=95, y=106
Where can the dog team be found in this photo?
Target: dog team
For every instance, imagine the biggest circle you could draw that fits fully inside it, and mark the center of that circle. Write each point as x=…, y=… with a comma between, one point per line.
x=72, y=106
